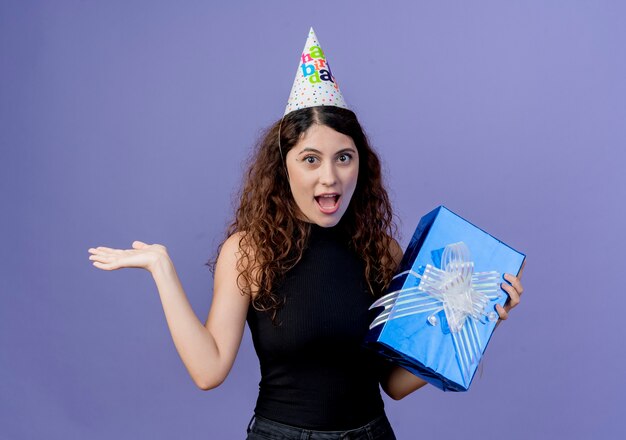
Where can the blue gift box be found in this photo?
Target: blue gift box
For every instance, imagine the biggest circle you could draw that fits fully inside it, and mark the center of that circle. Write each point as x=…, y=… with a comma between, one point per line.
x=439, y=311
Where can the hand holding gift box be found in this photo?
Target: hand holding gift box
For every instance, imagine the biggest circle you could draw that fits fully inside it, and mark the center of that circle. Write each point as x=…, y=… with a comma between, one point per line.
x=514, y=290
x=439, y=312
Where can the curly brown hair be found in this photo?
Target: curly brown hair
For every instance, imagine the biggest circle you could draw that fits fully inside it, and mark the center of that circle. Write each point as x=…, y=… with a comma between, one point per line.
x=272, y=237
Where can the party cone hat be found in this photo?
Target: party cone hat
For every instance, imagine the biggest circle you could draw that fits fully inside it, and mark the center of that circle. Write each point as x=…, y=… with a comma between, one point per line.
x=315, y=84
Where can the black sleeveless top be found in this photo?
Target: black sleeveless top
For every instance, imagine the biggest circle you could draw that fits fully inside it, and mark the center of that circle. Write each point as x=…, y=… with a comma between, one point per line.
x=315, y=373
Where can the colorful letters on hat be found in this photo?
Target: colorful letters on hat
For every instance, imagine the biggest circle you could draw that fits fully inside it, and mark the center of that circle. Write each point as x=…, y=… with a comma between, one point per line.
x=315, y=84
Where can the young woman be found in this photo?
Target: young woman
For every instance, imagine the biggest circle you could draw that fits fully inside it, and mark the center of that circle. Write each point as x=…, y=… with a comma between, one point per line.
x=310, y=248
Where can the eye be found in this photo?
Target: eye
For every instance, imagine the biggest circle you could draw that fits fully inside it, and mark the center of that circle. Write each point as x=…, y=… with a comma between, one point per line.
x=310, y=160
x=344, y=157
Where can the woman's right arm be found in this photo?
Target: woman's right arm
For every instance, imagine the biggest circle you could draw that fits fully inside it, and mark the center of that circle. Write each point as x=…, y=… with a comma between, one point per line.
x=208, y=351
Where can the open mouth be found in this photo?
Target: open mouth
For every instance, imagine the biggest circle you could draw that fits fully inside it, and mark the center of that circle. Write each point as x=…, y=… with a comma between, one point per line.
x=328, y=203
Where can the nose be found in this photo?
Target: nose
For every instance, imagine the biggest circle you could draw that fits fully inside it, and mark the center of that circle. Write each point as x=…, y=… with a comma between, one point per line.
x=328, y=174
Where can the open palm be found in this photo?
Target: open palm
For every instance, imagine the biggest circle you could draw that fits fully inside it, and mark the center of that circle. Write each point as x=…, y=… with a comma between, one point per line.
x=142, y=256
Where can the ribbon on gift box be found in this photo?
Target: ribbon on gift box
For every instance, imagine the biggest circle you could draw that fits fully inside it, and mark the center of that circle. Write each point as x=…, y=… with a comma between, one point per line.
x=463, y=295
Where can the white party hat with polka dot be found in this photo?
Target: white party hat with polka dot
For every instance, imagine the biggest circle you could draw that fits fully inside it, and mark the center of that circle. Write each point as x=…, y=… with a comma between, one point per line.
x=315, y=84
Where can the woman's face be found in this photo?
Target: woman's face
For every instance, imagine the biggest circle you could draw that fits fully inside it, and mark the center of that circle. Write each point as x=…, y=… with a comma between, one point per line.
x=323, y=169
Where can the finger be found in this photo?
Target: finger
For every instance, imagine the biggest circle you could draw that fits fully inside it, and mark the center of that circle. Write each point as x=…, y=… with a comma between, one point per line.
x=502, y=314
x=105, y=251
x=515, y=282
x=102, y=258
x=138, y=244
x=521, y=270
x=101, y=250
x=105, y=266
x=513, y=294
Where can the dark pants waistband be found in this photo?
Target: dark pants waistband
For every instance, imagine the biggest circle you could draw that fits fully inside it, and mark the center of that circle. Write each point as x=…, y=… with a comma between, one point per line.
x=262, y=428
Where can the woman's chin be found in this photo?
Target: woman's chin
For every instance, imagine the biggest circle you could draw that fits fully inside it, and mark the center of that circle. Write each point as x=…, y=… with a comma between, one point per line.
x=323, y=222
x=327, y=223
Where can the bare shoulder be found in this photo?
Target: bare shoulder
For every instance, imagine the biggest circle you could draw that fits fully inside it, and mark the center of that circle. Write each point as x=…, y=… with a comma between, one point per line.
x=230, y=247
x=229, y=305
x=231, y=252
x=226, y=267
x=236, y=255
x=233, y=246
x=396, y=251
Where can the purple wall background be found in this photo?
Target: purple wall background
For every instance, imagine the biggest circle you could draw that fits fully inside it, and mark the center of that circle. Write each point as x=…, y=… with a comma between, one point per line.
x=131, y=120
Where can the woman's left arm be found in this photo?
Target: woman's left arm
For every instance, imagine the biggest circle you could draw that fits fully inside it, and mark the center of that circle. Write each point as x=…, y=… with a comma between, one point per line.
x=398, y=382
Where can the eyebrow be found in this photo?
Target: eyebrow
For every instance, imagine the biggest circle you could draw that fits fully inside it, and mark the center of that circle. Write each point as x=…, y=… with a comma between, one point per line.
x=343, y=150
